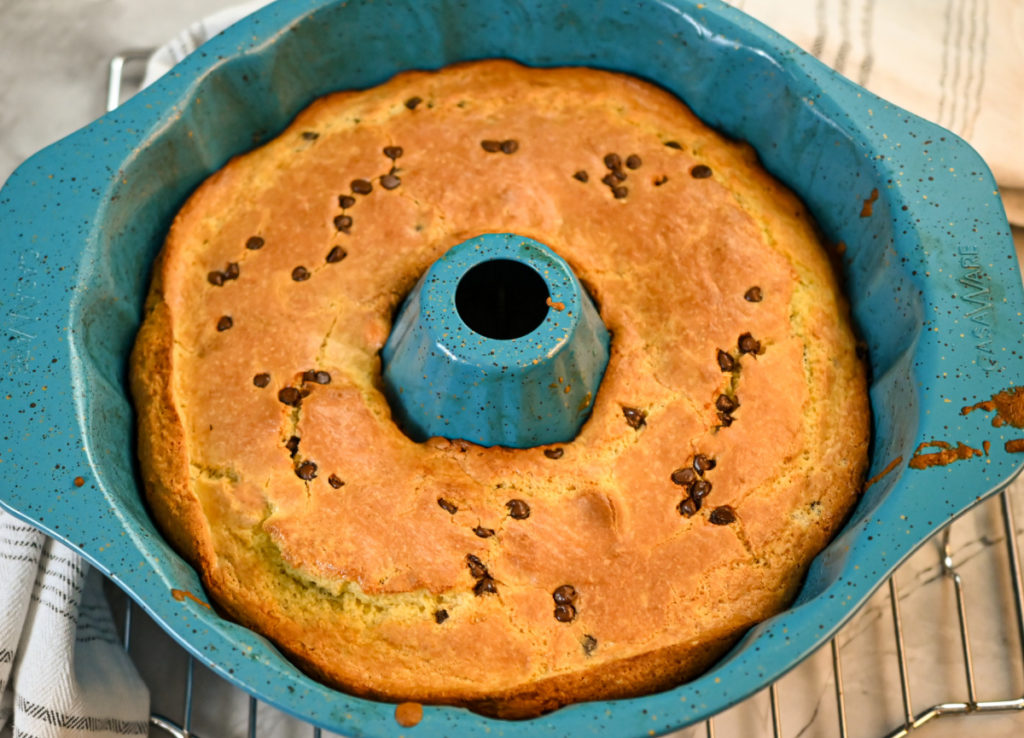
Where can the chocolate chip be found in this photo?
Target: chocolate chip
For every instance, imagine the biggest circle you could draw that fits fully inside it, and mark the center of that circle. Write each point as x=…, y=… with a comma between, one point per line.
x=687, y=507
x=232, y=271
x=700, y=489
x=309, y=375
x=310, y=135
x=346, y=201
x=485, y=586
x=633, y=161
x=635, y=419
x=335, y=481
x=589, y=644
x=565, y=613
x=725, y=420
x=659, y=181
x=612, y=161
x=440, y=616
x=726, y=404
x=361, y=186
x=609, y=179
x=619, y=175
x=290, y=396
x=554, y=453
x=412, y=102
x=702, y=463
x=482, y=532
x=390, y=181
x=748, y=344
x=261, y=380
x=393, y=152
x=581, y=175
x=510, y=146
x=673, y=144
x=292, y=444
x=619, y=192
x=300, y=274
x=336, y=254
x=701, y=171
x=224, y=323
x=476, y=567
x=753, y=295
x=343, y=222
x=215, y=278
x=725, y=361
x=254, y=243
x=491, y=146
x=306, y=470
x=684, y=476
x=564, y=595
x=449, y=507
x=722, y=515
x=518, y=509
x=322, y=377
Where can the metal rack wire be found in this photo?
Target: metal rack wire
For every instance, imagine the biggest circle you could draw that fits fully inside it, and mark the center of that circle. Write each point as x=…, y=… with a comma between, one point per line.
x=123, y=69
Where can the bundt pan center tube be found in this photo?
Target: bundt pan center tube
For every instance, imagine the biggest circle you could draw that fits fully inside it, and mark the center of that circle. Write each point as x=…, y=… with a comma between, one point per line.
x=497, y=344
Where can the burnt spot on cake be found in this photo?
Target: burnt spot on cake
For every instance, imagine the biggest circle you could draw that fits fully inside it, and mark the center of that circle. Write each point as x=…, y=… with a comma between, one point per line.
x=412, y=102
x=725, y=361
x=224, y=322
x=703, y=463
x=346, y=201
x=261, y=380
x=393, y=152
x=300, y=274
x=633, y=161
x=687, y=508
x=554, y=453
x=343, y=223
x=754, y=294
x=390, y=181
x=509, y=146
x=589, y=644
x=440, y=616
x=336, y=254
x=306, y=471
x=482, y=532
x=723, y=515
x=310, y=135
x=518, y=509
x=490, y=146
x=747, y=344
x=674, y=145
x=635, y=419
x=447, y=505
x=477, y=570
x=290, y=396
x=700, y=171
x=581, y=175
x=254, y=243
x=361, y=186
x=292, y=444
x=726, y=404
x=485, y=586
x=335, y=481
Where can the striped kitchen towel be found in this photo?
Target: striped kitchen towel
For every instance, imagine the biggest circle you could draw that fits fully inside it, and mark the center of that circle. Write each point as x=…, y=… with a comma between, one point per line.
x=63, y=672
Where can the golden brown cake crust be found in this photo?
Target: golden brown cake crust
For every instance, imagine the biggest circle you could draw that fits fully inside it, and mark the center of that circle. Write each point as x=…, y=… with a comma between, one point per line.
x=351, y=580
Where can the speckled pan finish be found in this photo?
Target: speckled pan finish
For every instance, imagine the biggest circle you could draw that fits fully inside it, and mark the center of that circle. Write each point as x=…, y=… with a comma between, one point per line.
x=931, y=274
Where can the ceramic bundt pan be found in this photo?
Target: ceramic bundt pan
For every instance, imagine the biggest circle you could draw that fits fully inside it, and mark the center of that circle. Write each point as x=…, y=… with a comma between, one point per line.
x=931, y=275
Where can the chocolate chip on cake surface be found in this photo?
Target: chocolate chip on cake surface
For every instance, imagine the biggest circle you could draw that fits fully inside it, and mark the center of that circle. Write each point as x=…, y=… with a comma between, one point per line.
x=322, y=377
x=687, y=507
x=510, y=146
x=700, y=489
x=754, y=294
x=215, y=278
x=292, y=444
x=310, y=135
x=565, y=613
x=725, y=361
x=482, y=532
x=346, y=201
x=674, y=144
x=300, y=274
x=390, y=181
x=412, y=102
x=722, y=515
x=589, y=644
x=476, y=567
x=336, y=254
x=342, y=222
x=613, y=161
x=620, y=192
x=564, y=595
x=306, y=471
x=254, y=243
x=447, y=505
x=224, y=322
x=290, y=396
x=484, y=586
x=581, y=175
x=619, y=175
x=725, y=419
x=232, y=271
x=700, y=171
x=703, y=463
x=491, y=146
x=393, y=152
x=554, y=453
x=635, y=419
x=726, y=404
x=335, y=481
x=684, y=476
x=660, y=180
x=518, y=509
x=440, y=616
x=633, y=161
x=261, y=380
x=361, y=186
x=748, y=344
x=609, y=179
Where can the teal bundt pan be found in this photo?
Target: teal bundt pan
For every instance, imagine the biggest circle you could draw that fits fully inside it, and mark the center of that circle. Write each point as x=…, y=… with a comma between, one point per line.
x=497, y=344
x=931, y=274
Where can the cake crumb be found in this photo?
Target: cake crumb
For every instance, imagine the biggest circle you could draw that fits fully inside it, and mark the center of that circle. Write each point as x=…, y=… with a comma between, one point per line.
x=409, y=714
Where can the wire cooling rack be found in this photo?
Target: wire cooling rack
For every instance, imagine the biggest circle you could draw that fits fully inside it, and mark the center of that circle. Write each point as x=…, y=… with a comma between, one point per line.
x=912, y=634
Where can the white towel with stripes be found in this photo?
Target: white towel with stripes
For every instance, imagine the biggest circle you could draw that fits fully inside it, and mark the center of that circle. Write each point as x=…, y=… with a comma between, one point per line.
x=63, y=672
